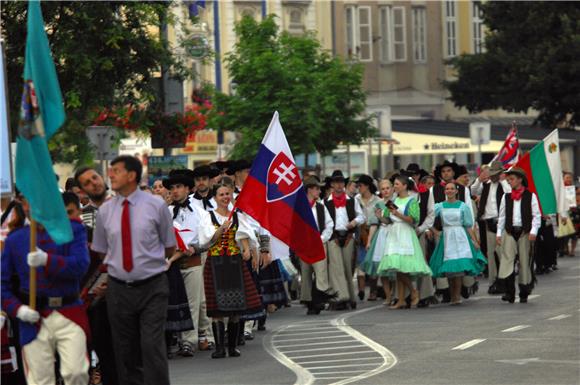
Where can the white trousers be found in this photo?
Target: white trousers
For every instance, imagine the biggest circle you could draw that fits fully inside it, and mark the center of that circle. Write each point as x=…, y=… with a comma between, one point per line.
x=193, y=281
x=57, y=334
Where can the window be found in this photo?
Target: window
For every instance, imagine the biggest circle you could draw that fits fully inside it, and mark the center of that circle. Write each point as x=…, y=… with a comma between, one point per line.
x=385, y=45
x=359, y=40
x=295, y=21
x=419, y=35
x=399, y=35
x=450, y=28
x=477, y=27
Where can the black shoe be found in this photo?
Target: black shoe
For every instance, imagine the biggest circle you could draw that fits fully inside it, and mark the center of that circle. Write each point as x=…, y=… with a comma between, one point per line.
x=233, y=333
x=423, y=303
x=508, y=298
x=446, y=296
x=353, y=305
x=219, y=333
x=262, y=324
x=523, y=299
x=293, y=295
x=361, y=294
x=186, y=351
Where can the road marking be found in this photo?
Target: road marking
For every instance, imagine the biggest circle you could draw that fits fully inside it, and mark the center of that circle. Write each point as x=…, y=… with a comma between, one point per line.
x=358, y=344
x=495, y=297
x=337, y=366
x=333, y=354
x=354, y=347
x=469, y=344
x=559, y=317
x=525, y=361
x=572, y=277
x=317, y=343
x=301, y=334
x=515, y=328
x=341, y=359
x=307, y=339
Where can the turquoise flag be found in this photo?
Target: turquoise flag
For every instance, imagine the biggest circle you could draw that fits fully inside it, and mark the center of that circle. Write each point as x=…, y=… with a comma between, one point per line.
x=41, y=115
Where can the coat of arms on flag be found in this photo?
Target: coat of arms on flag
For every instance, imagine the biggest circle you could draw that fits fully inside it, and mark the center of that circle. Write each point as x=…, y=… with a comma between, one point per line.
x=509, y=153
x=283, y=178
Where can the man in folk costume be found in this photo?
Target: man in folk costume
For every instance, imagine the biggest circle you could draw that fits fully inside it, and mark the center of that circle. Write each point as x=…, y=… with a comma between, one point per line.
x=519, y=221
x=59, y=323
x=188, y=220
x=203, y=177
x=445, y=173
x=490, y=188
x=347, y=215
x=313, y=292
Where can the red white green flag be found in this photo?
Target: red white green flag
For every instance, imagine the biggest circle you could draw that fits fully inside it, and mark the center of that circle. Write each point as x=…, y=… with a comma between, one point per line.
x=543, y=168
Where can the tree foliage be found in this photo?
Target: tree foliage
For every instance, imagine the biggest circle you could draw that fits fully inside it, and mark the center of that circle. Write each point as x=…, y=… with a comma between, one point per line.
x=530, y=61
x=106, y=53
x=319, y=98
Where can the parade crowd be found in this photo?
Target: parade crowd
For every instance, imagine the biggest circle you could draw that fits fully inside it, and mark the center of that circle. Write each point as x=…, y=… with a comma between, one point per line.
x=158, y=272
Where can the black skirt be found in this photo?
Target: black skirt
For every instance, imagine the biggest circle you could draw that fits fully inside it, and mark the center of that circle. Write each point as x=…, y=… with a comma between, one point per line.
x=178, y=313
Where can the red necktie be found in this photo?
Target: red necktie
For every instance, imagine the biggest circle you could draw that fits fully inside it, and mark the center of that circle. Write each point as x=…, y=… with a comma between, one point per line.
x=126, y=236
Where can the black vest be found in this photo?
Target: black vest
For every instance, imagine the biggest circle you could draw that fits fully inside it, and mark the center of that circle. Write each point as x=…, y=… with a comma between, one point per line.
x=350, y=212
x=526, y=212
x=320, y=216
x=485, y=195
x=423, y=206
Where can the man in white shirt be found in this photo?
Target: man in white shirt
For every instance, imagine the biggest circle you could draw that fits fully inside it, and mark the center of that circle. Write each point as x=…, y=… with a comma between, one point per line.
x=189, y=219
x=518, y=225
x=308, y=295
x=347, y=216
x=490, y=188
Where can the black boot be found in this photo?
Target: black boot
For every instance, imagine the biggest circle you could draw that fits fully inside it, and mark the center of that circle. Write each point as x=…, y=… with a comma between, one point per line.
x=510, y=289
x=262, y=323
x=219, y=333
x=241, y=328
x=233, y=333
x=525, y=290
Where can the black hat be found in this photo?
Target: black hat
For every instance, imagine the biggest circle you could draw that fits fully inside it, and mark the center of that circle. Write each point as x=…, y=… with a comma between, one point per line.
x=516, y=171
x=312, y=181
x=408, y=173
x=220, y=165
x=413, y=168
x=367, y=180
x=461, y=170
x=447, y=163
x=238, y=165
x=205, y=170
x=337, y=176
x=182, y=176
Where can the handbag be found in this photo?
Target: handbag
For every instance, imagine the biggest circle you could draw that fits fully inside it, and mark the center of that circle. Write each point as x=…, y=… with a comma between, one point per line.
x=565, y=230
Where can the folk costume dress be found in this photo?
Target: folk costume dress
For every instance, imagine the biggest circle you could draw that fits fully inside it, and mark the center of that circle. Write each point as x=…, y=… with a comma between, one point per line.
x=403, y=253
x=375, y=253
x=455, y=254
x=229, y=288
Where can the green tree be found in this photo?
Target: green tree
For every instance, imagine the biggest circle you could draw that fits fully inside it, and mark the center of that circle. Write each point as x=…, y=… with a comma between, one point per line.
x=106, y=53
x=530, y=62
x=319, y=98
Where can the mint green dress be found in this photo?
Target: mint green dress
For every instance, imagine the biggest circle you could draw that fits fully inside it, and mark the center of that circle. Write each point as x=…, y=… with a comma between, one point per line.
x=455, y=254
x=403, y=253
x=376, y=250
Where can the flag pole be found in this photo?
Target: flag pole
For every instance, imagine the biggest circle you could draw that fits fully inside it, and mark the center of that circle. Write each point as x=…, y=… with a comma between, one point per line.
x=32, y=278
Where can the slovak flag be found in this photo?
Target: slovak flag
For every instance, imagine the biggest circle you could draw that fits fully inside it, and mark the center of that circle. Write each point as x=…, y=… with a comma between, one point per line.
x=274, y=196
x=509, y=154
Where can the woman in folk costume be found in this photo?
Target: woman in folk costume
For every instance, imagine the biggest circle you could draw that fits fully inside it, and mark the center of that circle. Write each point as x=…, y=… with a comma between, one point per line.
x=403, y=256
x=457, y=254
x=377, y=240
x=229, y=288
x=367, y=200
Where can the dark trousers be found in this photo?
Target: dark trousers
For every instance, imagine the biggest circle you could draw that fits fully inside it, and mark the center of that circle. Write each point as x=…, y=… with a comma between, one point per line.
x=102, y=341
x=137, y=316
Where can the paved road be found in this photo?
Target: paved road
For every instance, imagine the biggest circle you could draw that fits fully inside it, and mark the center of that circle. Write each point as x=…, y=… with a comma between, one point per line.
x=483, y=341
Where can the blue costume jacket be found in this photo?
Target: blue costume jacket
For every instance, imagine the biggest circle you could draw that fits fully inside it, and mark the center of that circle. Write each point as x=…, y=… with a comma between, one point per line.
x=60, y=277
